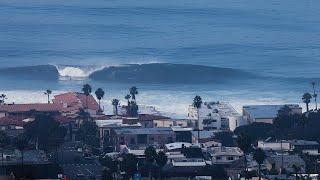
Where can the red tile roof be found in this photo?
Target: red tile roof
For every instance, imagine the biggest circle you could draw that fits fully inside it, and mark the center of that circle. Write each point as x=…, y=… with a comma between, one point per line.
x=7, y=121
x=29, y=107
x=73, y=101
x=63, y=119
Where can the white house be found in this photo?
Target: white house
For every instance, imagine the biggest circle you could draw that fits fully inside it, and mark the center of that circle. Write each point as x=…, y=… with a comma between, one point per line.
x=217, y=115
x=225, y=155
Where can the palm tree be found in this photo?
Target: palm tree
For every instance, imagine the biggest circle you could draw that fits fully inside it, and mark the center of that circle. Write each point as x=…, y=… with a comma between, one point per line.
x=3, y=97
x=197, y=102
x=259, y=156
x=133, y=91
x=306, y=98
x=48, y=92
x=244, y=143
x=115, y=103
x=127, y=97
x=151, y=154
x=99, y=94
x=314, y=94
x=86, y=89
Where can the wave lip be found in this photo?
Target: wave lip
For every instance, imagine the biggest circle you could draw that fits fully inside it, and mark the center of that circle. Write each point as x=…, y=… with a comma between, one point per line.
x=168, y=73
x=76, y=71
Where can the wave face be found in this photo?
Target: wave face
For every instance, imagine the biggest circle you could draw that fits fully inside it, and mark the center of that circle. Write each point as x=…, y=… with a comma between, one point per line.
x=40, y=72
x=141, y=73
x=168, y=73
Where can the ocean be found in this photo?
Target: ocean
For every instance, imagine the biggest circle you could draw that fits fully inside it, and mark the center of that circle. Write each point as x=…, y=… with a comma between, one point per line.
x=277, y=42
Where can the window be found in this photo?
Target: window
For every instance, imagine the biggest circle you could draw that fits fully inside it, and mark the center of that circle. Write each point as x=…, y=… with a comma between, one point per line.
x=218, y=158
x=132, y=141
x=142, y=138
x=230, y=158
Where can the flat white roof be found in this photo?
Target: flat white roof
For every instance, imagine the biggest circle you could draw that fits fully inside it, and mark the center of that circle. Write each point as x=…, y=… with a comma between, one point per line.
x=177, y=145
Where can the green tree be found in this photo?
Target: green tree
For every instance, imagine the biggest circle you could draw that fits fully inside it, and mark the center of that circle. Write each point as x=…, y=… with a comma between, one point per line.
x=129, y=165
x=107, y=174
x=115, y=103
x=133, y=92
x=296, y=170
x=46, y=132
x=127, y=97
x=161, y=160
x=21, y=142
x=132, y=109
x=314, y=94
x=99, y=94
x=86, y=89
x=216, y=172
x=197, y=103
x=4, y=141
x=151, y=154
x=110, y=164
x=2, y=98
x=88, y=133
x=259, y=156
x=306, y=98
x=244, y=143
x=48, y=92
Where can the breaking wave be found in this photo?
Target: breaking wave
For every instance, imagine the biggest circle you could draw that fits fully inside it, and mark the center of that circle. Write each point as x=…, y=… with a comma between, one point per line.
x=141, y=73
x=76, y=71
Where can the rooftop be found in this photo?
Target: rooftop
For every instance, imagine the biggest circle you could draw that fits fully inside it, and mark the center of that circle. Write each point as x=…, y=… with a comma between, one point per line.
x=177, y=145
x=303, y=142
x=74, y=101
x=288, y=159
x=41, y=107
x=144, y=131
x=229, y=151
x=150, y=117
x=114, y=123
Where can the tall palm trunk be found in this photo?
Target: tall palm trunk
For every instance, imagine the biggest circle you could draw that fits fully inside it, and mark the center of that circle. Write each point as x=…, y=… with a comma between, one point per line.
x=245, y=166
x=315, y=96
x=198, y=125
x=116, y=110
x=99, y=105
x=307, y=105
x=2, y=165
x=48, y=98
x=22, y=155
x=259, y=169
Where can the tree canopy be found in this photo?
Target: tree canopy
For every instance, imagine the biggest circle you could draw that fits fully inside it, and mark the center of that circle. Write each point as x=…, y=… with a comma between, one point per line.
x=45, y=131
